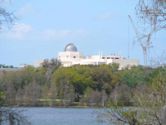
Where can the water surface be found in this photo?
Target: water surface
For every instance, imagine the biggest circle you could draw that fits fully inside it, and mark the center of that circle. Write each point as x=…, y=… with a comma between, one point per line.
x=63, y=116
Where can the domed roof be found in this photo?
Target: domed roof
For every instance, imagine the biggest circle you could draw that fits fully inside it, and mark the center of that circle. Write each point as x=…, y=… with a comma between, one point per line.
x=70, y=47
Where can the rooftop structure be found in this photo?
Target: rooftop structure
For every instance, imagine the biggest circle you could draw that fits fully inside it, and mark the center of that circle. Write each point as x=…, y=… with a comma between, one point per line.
x=70, y=48
x=71, y=56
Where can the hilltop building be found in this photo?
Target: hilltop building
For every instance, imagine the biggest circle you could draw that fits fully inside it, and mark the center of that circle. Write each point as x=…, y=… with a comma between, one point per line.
x=71, y=56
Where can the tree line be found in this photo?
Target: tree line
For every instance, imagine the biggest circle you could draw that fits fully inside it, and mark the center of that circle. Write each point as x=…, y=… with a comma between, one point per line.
x=102, y=85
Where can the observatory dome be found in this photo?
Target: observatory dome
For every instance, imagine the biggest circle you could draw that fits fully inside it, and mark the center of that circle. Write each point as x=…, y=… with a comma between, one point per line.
x=70, y=47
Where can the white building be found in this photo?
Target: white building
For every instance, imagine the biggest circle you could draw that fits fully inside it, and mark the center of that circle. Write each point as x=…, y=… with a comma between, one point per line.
x=71, y=56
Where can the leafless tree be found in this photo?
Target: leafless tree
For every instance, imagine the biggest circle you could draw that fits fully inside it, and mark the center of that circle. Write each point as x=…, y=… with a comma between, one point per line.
x=9, y=116
x=5, y=15
x=12, y=117
x=153, y=12
x=144, y=38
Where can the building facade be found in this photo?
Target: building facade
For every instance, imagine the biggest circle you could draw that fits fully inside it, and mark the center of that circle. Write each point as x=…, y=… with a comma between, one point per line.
x=71, y=56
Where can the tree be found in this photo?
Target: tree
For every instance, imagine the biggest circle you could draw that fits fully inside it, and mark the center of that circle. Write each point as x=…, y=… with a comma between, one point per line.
x=153, y=12
x=50, y=66
x=12, y=117
x=71, y=82
x=135, y=76
x=149, y=103
x=8, y=115
x=104, y=79
x=153, y=15
x=5, y=16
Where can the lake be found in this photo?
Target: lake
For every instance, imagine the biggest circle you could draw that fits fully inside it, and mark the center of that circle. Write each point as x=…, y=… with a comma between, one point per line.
x=63, y=116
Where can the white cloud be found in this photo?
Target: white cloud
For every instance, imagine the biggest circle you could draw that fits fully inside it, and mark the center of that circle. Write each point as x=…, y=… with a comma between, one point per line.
x=104, y=16
x=19, y=31
x=25, y=31
x=26, y=9
x=56, y=34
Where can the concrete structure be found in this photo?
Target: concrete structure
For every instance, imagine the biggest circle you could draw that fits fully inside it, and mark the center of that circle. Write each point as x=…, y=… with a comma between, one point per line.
x=70, y=56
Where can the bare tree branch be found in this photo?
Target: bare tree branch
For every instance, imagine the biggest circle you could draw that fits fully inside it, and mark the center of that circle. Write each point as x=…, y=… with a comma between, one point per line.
x=6, y=16
x=153, y=12
x=12, y=117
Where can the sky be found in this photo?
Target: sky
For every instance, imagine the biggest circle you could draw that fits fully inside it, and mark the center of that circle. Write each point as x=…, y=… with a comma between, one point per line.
x=43, y=28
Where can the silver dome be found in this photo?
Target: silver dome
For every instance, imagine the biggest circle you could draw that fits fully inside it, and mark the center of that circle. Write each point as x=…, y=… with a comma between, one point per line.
x=70, y=47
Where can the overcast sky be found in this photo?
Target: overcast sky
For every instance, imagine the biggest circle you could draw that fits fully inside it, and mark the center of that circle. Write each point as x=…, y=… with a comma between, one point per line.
x=44, y=27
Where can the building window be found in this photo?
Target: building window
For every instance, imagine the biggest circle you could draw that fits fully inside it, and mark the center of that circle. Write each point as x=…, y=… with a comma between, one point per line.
x=74, y=57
